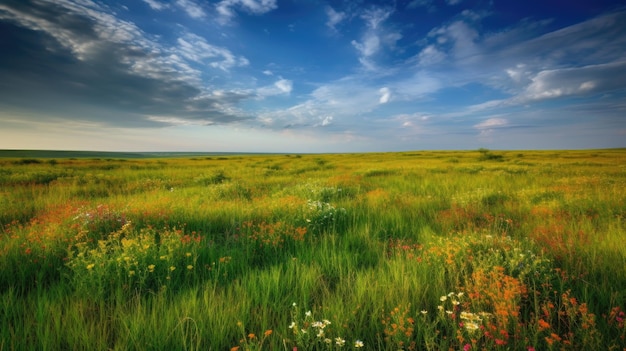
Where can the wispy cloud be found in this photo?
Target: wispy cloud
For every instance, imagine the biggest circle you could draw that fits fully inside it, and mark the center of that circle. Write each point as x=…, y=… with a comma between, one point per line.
x=375, y=37
x=191, y=8
x=197, y=49
x=156, y=5
x=334, y=17
x=226, y=8
x=280, y=87
x=116, y=66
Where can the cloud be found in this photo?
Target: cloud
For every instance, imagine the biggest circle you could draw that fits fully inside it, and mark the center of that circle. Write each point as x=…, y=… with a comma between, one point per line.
x=491, y=123
x=226, y=8
x=588, y=80
x=156, y=5
x=191, y=8
x=196, y=48
x=334, y=17
x=385, y=95
x=430, y=55
x=461, y=37
x=576, y=82
x=280, y=87
x=375, y=37
x=100, y=68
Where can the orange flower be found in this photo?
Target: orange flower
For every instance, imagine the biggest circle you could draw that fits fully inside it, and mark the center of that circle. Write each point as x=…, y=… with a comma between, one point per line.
x=268, y=332
x=543, y=325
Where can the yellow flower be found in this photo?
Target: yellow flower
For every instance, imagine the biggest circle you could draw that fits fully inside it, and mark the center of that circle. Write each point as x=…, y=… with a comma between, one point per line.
x=90, y=266
x=189, y=267
x=131, y=273
x=188, y=254
x=151, y=268
x=172, y=268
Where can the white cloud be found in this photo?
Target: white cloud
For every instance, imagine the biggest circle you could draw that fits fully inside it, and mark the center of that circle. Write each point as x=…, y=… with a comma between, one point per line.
x=369, y=45
x=430, y=55
x=453, y=2
x=462, y=36
x=226, y=8
x=280, y=87
x=334, y=17
x=491, y=123
x=268, y=72
x=325, y=121
x=593, y=79
x=416, y=86
x=284, y=85
x=375, y=37
x=197, y=49
x=192, y=9
x=156, y=5
x=374, y=17
x=385, y=95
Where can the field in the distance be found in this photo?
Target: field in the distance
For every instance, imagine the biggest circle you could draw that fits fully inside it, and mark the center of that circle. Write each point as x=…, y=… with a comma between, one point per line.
x=474, y=250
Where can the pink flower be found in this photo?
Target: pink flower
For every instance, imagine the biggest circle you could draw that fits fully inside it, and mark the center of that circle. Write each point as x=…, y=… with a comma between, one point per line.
x=530, y=348
x=467, y=347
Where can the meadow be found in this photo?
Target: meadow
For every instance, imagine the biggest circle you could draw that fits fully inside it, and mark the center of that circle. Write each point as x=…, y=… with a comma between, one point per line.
x=468, y=250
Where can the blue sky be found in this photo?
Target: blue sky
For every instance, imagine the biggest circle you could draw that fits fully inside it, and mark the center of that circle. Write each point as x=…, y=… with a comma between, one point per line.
x=311, y=76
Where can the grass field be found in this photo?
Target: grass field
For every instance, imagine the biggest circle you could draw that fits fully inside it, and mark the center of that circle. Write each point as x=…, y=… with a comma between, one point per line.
x=473, y=250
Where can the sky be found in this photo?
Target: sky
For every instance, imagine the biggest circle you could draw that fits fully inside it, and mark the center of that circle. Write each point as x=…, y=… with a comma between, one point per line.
x=312, y=75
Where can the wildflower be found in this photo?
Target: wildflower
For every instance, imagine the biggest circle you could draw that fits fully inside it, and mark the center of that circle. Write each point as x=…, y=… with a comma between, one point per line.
x=318, y=324
x=327, y=340
x=188, y=254
x=339, y=341
x=162, y=258
x=440, y=308
x=358, y=344
x=90, y=266
x=530, y=348
x=543, y=324
x=131, y=273
x=293, y=304
x=326, y=322
x=443, y=298
x=471, y=326
x=189, y=267
x=251, y=336
x=172, y=268
x=267, y=333
x=308, y=313
x=234, y=348
x=424, y=312
x=151, y=268
x=292, y=325
x=467, y=347
x=455, y=302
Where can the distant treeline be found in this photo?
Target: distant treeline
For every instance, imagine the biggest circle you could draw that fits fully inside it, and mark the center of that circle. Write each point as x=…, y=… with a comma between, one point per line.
x=110, y=154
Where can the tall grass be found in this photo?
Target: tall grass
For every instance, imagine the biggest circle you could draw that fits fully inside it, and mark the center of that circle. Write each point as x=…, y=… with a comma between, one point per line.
x=413, y=251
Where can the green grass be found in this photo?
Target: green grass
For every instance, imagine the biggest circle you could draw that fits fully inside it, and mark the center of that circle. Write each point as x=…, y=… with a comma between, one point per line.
x=426, y=251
